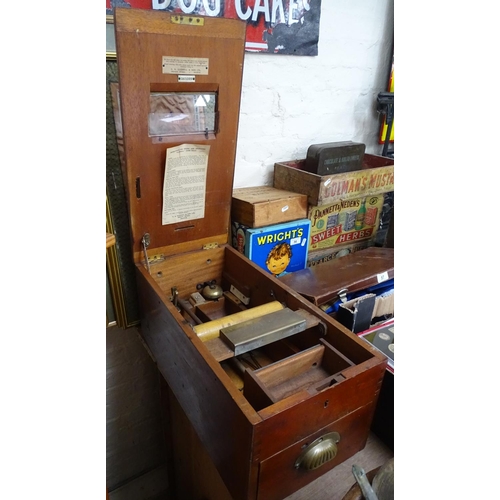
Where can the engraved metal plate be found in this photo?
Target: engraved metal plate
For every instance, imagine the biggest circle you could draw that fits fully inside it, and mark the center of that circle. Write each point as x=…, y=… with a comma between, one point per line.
x=185, y=65
x=261, y=331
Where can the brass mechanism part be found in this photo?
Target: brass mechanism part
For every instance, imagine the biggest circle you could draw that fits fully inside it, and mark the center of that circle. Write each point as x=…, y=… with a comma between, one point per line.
x=191, y=20
x=212, y=292
x=319, y=452
x=175, y=295
x=156, y=258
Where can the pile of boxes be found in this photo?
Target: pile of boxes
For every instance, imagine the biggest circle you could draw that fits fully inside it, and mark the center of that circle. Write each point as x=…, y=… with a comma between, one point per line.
x=319, y=217
x=270, y=227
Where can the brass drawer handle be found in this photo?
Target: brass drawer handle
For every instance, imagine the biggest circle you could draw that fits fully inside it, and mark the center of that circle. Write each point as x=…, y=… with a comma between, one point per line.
x=319, y=452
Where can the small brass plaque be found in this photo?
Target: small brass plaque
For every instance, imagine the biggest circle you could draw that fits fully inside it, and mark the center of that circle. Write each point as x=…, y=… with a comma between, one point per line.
x=185, y=65
x=191, y=20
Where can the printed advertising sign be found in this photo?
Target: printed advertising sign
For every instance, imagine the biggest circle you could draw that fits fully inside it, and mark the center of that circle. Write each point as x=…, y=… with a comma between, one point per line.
x=273, y=26
x=345, y=221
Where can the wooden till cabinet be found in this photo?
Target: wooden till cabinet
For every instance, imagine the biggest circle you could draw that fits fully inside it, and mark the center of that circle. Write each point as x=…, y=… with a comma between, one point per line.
x=283, y=413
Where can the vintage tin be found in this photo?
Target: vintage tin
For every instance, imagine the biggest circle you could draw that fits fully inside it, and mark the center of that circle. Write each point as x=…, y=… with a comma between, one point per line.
x=334, y=157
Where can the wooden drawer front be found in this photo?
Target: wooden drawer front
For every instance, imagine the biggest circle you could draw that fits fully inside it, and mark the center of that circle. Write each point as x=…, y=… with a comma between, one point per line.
x=278, y=475
x=307, y=418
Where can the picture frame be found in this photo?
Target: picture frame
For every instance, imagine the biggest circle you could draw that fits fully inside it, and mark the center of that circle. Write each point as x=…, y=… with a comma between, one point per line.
x=110, y=39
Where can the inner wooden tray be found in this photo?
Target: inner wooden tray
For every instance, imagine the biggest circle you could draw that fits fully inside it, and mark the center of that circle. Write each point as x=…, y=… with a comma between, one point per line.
x=307, y=371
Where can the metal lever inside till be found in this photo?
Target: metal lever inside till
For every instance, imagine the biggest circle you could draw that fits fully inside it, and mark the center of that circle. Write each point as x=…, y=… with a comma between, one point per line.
x=145, y=243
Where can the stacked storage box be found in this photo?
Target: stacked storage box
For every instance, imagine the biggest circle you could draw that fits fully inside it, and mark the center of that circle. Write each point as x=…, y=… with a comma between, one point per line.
x=348, y=211
x=270, y=227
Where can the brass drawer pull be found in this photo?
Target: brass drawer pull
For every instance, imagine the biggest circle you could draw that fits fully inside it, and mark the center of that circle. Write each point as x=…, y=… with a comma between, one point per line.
x=319, y=452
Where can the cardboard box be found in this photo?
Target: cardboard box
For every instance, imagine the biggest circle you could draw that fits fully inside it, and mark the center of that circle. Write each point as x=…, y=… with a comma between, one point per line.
x=279, y=249
x=376, y=177
x=265, y=205
x=344, y=222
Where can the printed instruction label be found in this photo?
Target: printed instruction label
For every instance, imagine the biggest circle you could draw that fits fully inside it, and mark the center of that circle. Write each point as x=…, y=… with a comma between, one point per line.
x=184, y=183
x=382, y=277
x=185, y=65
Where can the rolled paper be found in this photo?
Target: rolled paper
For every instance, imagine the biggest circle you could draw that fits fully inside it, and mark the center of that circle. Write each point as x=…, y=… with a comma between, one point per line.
x=211, y=329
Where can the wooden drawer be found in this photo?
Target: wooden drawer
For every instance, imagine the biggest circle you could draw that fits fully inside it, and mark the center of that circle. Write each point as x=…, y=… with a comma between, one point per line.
x=285, y=472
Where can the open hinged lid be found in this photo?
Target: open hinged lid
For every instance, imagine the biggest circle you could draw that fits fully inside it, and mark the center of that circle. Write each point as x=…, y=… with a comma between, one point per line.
x=351, y=273
x=179, y=94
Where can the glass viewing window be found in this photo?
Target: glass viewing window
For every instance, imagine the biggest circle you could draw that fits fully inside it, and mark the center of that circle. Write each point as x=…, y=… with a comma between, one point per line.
x=182, y=113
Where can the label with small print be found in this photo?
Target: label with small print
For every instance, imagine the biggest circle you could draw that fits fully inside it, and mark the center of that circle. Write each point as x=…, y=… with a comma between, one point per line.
x=185, y=65
x=186, y=78
x=382, y=277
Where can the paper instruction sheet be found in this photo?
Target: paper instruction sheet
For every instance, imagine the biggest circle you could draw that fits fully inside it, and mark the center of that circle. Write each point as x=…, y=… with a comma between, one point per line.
x=184, y=183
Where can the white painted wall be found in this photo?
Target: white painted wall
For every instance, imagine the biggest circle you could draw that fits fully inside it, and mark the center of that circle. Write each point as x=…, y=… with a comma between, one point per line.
x=291, y=102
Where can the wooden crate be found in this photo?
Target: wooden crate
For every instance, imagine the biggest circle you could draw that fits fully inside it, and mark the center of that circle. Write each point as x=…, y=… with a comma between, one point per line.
x=376, y=177
x=265, y=205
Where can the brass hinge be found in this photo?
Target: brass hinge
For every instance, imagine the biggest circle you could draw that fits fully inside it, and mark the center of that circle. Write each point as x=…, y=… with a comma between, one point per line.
x=156, y=258
x=209, y=246
x=190, y=20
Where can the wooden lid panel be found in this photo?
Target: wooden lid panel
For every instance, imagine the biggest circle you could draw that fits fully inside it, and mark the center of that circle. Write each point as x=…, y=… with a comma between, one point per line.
x=143, y=38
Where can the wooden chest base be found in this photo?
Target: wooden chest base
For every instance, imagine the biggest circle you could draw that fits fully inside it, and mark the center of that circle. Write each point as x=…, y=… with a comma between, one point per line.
x=254, y=425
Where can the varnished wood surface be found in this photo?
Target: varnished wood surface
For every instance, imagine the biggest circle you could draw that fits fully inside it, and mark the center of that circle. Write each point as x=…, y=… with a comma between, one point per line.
x=222, y=427
x=143, y=37
x=196, y=477
x=354, y=272
x=264, y=205
x=278, y=476
x=217, y=408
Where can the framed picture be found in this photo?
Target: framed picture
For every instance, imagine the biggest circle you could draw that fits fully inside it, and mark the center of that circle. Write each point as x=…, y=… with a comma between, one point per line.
x=110, y=39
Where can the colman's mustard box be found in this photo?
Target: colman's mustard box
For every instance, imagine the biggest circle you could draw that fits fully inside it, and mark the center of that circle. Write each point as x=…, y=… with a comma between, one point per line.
x=278, y=249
